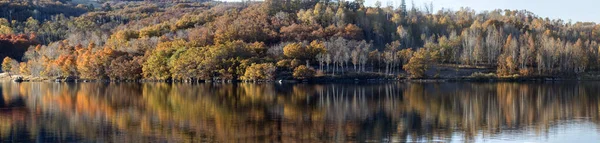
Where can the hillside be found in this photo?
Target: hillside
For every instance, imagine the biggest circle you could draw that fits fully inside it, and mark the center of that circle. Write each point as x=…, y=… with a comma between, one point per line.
x=171, y=40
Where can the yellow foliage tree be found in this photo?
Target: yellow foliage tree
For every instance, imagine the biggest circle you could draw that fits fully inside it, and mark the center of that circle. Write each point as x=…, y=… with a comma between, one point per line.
x=8, y=64
x=259, y=72
x=159, y=61
x=24, y=69
x=417, y=65
x=294, y=51
x=303, y=72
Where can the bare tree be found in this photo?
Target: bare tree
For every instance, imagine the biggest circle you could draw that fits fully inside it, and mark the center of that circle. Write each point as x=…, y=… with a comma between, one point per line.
x=355, y=58
x=321, y=59
x=327, y=60
x=493, y=43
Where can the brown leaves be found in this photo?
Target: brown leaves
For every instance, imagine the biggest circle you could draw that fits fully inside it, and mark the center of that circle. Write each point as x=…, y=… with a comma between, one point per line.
x=301, y=32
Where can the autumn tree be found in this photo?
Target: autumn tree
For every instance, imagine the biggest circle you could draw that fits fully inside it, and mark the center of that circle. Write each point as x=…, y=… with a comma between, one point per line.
x=125, y=67
x=8, y=65
x=418, y=63
x=67, y=65
x=301, y=32
x=303, y=72
x=405, y=55
x=252, y=24
x=302, y=51
x=83, y=63
x=191, y=65
x=295, y=51
x=507, y=64
x=259, y=72
x=157, y=64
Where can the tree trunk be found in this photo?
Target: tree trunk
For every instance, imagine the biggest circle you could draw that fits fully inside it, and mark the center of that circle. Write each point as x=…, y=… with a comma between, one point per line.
x=334, y=67
x=387, y=68
x=342, y=67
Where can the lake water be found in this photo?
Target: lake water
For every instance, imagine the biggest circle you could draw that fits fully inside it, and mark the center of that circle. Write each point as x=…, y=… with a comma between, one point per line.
x=211, y=112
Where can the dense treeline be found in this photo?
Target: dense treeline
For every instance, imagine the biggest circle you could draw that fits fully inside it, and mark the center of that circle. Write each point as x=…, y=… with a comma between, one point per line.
x=304, y=39
x=27, y=23
x=20, y=10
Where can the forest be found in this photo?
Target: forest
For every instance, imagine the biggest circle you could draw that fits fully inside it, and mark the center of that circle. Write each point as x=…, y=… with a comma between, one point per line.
x=286, y=39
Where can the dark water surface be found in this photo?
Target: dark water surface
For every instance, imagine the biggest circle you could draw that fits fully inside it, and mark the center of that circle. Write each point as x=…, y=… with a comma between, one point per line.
x=391, y=112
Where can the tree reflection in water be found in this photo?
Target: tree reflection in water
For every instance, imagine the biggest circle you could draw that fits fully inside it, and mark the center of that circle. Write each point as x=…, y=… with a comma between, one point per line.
x=210, y=112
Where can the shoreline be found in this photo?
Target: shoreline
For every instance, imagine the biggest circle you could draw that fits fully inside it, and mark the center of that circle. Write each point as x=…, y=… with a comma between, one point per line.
x=351, y=78
x=322, y=80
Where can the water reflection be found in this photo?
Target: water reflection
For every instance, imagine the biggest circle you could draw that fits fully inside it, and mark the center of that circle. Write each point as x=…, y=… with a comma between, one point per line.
x=399, y=112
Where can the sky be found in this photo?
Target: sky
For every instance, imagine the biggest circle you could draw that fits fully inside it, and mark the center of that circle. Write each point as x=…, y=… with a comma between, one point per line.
x=575, y=10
